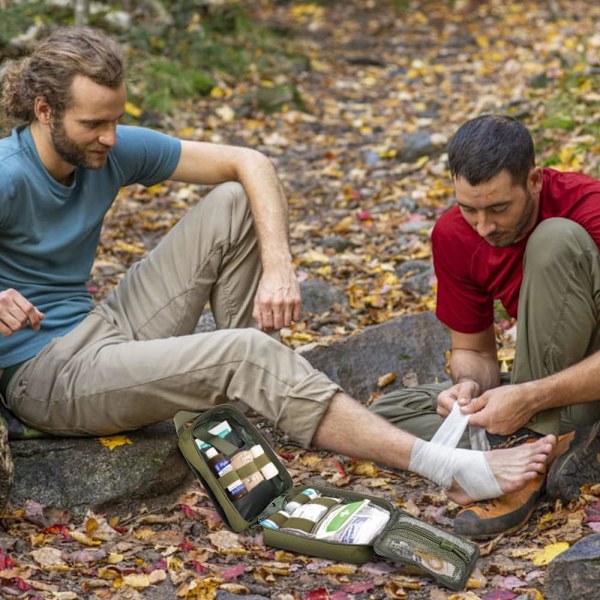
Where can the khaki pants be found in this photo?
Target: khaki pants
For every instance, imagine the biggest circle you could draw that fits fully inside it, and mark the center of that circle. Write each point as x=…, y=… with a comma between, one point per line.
x=558, y=325
x=136, y=360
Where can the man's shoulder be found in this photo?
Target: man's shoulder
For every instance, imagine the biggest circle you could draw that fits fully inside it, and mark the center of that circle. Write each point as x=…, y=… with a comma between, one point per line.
x=15, y=160
x=451, y=222
x=143, y=141
x=553, y=177
x=564, y=189
x=137, y=132
x=12, y=145
x=143, y=155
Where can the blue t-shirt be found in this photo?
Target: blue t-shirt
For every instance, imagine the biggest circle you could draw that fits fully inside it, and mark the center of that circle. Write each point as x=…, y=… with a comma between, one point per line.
x=49, y=232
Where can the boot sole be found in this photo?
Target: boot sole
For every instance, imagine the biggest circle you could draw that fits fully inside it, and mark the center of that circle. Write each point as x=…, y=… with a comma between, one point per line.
x=580, y=464
x=469, y=524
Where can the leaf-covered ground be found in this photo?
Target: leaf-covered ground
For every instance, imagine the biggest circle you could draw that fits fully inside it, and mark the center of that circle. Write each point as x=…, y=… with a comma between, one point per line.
x=362, y=201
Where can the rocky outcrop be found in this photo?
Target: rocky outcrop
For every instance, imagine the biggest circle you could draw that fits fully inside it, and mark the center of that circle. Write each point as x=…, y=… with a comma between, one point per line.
x=79, y=473
x=576, y=572
x=411, y=347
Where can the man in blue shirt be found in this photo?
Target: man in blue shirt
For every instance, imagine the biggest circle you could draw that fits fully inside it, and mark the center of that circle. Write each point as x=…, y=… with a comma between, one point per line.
x=72, y=368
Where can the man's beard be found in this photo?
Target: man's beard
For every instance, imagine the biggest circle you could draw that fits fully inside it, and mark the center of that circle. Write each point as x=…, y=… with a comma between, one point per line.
x=521, y=228
x=73, y=153
x=524, y=224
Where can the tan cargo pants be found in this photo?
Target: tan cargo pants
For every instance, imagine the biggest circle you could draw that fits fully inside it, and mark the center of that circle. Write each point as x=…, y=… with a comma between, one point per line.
x=135, y=359
x=558, y=325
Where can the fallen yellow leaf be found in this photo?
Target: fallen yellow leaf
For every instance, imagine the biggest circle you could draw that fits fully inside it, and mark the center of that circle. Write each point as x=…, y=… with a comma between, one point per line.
x=131, y=248
x=114, y=559
x=532, y=593
x=386, y=379
x=133, y=110
x=137, y=580
x=549, y=553
x=114, y=441
x=338, y=569
x=49, y=558
x=365, y=468
x=109, y=573
x=82, y=538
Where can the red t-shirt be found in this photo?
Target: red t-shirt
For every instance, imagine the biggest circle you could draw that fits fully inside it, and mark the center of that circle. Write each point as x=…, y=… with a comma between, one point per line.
x=471, y=273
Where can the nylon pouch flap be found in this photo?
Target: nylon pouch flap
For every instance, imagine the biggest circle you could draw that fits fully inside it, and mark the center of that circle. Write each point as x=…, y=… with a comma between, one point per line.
x=194, y=428
x=448, y=558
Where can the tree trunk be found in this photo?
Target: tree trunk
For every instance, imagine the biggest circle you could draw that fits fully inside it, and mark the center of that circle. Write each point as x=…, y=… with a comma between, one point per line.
x=82, y=12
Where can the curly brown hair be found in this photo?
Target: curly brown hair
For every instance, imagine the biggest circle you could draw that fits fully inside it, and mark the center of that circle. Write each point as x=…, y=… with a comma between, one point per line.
x=50, y=69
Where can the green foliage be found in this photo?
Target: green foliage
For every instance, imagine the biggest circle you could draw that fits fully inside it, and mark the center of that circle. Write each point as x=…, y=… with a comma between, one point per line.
x=17, y=18
x=500, y=312
x=551, y=161
x=180, y=58
x=162, y=82
x=184, y=58
x=568, y=110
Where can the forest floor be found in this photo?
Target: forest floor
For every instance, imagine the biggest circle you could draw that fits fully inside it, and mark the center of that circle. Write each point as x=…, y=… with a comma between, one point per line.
x=381, y=74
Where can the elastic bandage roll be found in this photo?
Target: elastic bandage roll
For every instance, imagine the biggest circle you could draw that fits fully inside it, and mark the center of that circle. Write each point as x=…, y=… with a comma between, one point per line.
x=440, y=460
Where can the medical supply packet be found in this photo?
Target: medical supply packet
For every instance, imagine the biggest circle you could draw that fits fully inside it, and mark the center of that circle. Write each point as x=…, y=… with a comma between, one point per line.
x=337, y=524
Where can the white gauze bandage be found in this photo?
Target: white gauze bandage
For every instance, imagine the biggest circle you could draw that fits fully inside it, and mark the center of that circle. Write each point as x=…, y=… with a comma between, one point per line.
x=441, y=461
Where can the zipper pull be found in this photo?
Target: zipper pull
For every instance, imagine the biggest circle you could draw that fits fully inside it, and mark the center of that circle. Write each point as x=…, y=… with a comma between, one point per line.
x=448, y=545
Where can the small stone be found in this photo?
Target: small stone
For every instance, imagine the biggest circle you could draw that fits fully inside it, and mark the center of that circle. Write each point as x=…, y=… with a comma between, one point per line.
x=319, y=297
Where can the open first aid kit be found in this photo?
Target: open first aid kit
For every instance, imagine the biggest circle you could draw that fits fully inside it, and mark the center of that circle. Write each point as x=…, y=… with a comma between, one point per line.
x=250, y=488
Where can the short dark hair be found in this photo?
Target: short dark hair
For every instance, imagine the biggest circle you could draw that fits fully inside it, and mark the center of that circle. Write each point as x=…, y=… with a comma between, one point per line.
x=49, y=71
x=489, y=144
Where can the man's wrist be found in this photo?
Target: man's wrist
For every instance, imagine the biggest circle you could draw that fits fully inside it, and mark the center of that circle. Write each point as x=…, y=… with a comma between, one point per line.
x=280, y=261
x=536, y=396
x=469, y=379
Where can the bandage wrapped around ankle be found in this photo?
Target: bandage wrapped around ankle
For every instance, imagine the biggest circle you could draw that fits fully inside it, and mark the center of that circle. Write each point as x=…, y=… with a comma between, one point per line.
x=440, y=460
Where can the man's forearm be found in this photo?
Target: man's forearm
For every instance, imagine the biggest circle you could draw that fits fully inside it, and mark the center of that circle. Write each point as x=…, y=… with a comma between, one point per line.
x=269, y=208
x=577, y=384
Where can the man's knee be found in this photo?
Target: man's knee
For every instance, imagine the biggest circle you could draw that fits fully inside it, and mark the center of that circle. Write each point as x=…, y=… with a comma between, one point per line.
x=258, y=345
x=229, y=196
x=554, y=239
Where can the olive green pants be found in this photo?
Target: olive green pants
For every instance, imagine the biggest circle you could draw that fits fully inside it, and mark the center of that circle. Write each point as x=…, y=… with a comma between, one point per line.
x=558, y=325
x=136, y=359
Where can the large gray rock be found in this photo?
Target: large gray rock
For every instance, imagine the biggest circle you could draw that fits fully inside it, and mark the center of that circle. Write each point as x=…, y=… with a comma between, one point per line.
x=576, y=572
x=80, y=473
x=411, y=346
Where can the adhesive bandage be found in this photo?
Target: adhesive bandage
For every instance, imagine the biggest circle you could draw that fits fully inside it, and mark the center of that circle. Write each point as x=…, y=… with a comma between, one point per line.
x=440, y=460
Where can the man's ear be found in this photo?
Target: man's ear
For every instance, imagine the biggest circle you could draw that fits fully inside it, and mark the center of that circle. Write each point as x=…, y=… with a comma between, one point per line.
x=42, y=110
x=535, y=180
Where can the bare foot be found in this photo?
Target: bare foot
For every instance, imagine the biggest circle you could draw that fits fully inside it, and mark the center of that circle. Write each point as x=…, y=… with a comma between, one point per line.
x=512, y=467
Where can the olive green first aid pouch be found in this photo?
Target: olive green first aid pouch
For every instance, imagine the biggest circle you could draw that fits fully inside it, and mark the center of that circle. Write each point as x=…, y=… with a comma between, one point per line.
x=448, y=558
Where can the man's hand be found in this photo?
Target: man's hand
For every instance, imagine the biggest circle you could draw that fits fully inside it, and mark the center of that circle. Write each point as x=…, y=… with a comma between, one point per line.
x=464, y=391
x=277, y=302
x=501, y=410
x=16, y=311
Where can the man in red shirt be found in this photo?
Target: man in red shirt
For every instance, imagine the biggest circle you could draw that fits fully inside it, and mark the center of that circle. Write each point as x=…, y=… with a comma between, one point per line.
x=528, y=237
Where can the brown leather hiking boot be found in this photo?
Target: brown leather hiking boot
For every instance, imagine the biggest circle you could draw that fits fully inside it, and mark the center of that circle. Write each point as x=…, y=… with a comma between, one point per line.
x=507, y=513
x=500, y=515
x=577, y=464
